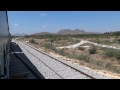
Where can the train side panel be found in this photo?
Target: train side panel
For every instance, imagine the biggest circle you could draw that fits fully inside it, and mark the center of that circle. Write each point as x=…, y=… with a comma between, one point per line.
x=4, y=44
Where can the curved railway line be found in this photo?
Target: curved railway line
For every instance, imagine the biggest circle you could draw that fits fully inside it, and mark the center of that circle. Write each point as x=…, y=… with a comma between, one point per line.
x=78, y=72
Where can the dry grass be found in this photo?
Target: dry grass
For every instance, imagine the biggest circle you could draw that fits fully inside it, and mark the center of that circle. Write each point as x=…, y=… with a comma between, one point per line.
x=107, y=41
x=87, y=44
x=97, y=61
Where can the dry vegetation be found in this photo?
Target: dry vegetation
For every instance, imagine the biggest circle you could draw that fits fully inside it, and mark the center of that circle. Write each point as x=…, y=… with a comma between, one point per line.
x=95, y=57
x=106, y=41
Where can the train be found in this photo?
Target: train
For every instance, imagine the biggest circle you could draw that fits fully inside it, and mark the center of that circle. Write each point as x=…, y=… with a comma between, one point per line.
x=5, y=39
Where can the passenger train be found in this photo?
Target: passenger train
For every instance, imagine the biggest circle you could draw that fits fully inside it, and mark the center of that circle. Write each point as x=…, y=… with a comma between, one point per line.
x=5, y=39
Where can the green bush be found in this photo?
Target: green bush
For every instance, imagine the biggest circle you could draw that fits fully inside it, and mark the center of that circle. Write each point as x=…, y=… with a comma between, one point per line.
x=110, y=53
x=93, y=50
x=103, y=48
x=106, y=42
x=61, y=52
x=81, y=48
x=47, y=46
x=51, y=47
x=76, y=40
x=32, y=41
x=85, y=58
x=116, y=36
x=95, y=40
x=113, y=53
x=117, y=54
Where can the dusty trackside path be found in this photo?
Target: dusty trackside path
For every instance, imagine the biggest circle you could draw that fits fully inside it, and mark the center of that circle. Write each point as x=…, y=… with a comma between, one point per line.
x=85, y=41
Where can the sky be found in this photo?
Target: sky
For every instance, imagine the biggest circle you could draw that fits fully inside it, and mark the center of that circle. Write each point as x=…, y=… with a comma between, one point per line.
x=30, y=22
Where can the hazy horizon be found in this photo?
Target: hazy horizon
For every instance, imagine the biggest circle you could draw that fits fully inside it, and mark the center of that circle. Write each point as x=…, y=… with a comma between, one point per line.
x=30, y=22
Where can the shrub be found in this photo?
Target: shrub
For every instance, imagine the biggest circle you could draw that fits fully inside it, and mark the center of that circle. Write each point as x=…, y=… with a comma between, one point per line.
x=96, y=40
x=84, y=57
x=93, y=50
x=110, y=53
x=117, y=54
x=61, y=52
x=116, y=36
x=49, y=46
x=32, y=41
x=103, y=48
x=113, y=53
x=106, y=42
x=76, y=40
x=81, y=48
x=118, y=42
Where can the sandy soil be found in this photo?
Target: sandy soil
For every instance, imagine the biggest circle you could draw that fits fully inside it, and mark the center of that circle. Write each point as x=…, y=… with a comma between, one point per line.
x=85, y=41
x=102, y=72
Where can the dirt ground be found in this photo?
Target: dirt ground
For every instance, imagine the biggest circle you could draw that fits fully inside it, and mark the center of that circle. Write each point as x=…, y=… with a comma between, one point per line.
x=98, y=56
x=74, y=61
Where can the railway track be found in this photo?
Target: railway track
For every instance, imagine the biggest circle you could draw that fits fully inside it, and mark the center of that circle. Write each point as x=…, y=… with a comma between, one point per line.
x=66, y=72
x=20, y=66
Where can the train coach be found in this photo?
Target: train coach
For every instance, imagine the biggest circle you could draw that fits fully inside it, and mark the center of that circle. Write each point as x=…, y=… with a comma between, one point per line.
x=5, y=38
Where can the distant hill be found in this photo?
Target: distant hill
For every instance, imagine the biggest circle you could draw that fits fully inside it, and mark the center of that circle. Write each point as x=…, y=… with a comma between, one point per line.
x=66, y=32
x=18, y=34
x=73, y=32
x=43, y=33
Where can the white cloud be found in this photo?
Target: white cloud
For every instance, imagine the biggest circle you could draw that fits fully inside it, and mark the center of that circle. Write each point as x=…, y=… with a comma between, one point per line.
x=44, y=26
x=43, y=14
x=15, y=24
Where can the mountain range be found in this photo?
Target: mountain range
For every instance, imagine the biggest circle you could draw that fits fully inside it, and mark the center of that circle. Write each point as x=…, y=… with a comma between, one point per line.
x=18, y=34
x=60, y=32
x=66, y=32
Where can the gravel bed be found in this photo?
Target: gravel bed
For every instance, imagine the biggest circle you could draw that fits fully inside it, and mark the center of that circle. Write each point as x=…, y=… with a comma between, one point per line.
x=64, y=71
x=45, y=71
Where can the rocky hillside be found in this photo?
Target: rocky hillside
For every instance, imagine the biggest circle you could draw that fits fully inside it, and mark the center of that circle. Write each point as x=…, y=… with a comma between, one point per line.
x=73, y=32
x=65, y=32
x=19, y=34
x=43, y=33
